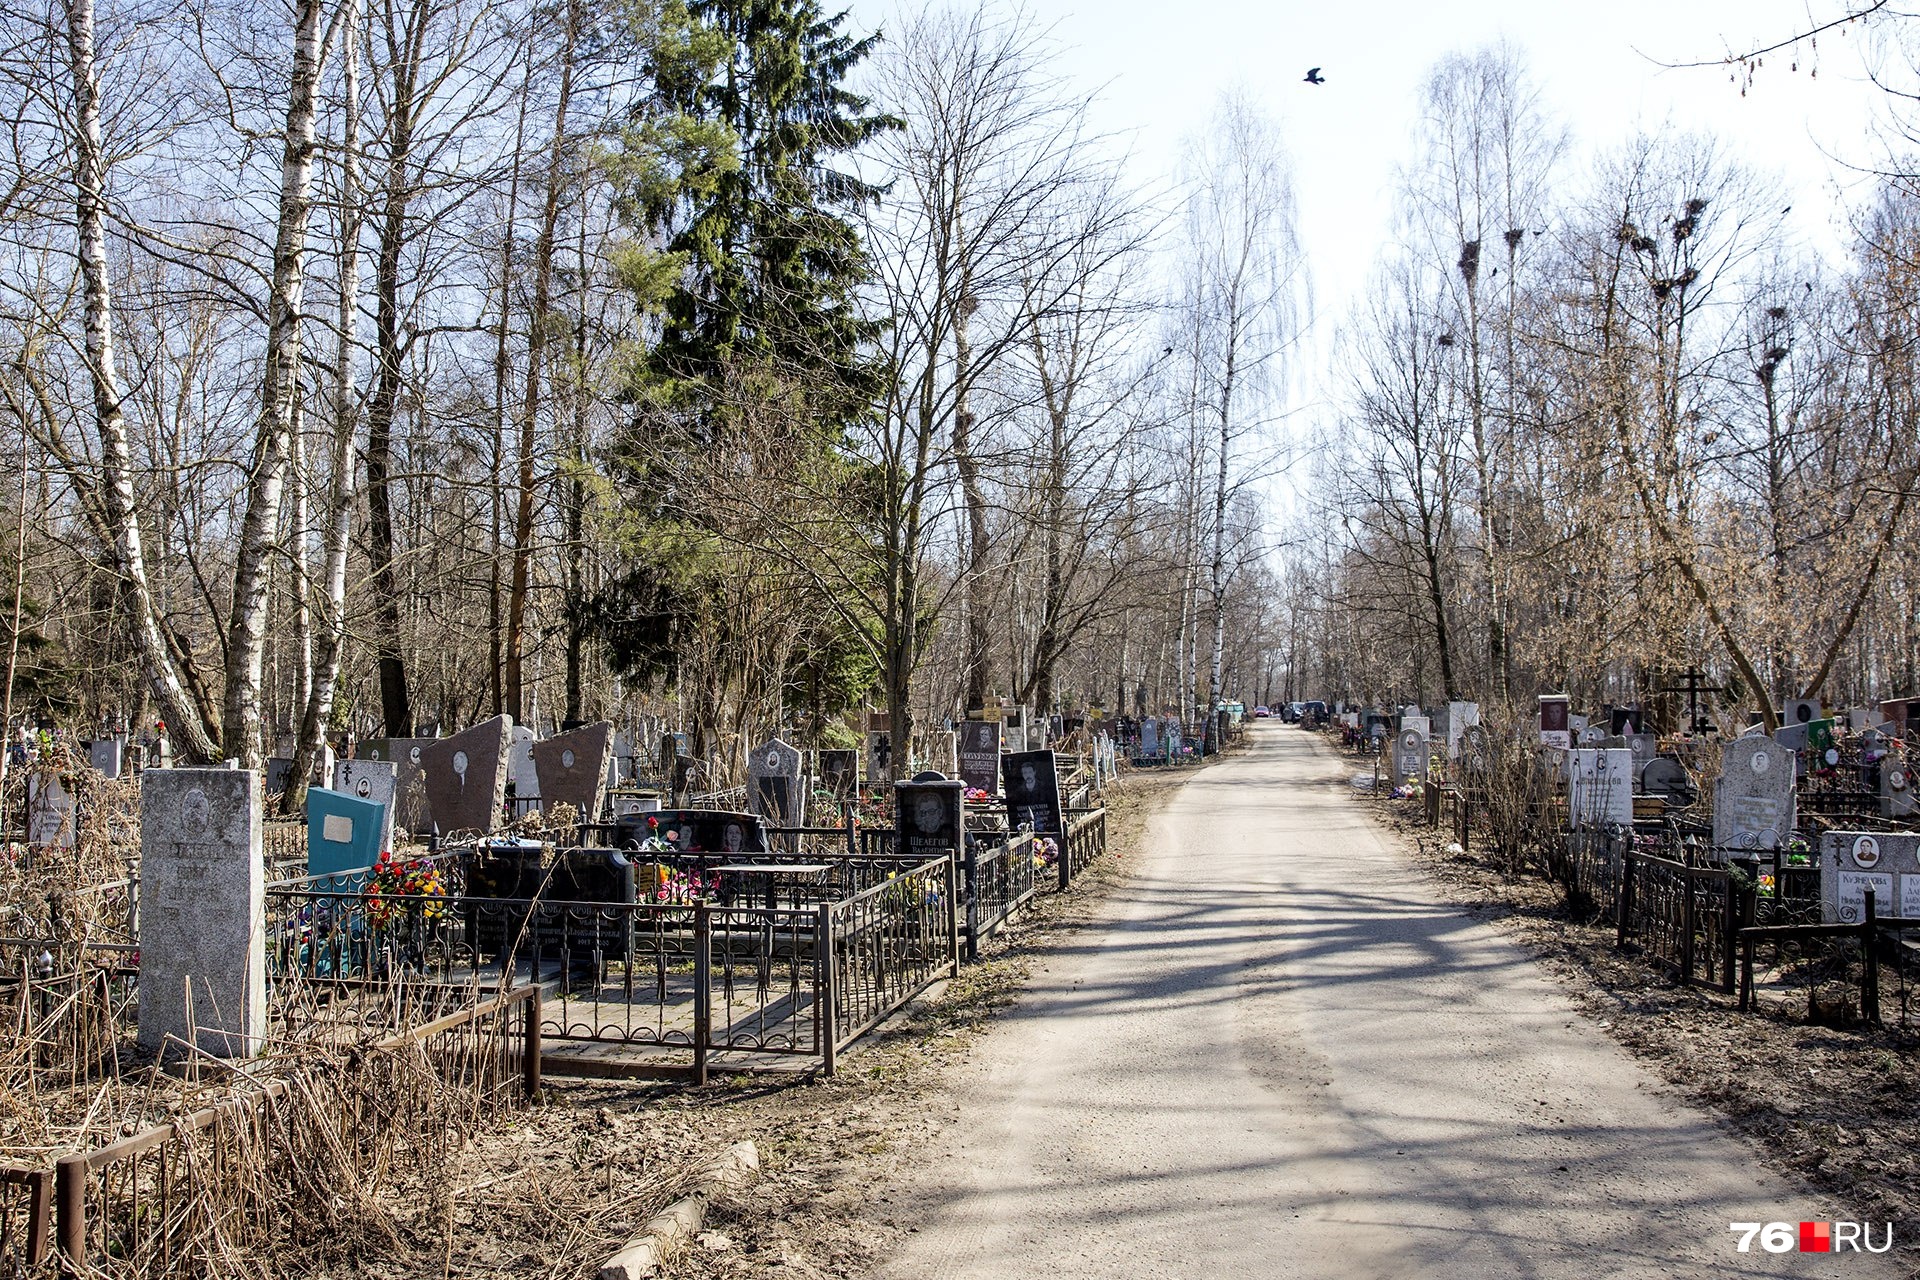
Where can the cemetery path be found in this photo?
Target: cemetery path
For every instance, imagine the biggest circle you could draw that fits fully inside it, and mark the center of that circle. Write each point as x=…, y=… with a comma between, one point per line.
x=1276, y=1056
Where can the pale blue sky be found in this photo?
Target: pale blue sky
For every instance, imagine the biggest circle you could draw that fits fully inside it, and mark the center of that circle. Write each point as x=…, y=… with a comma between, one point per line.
x=1158, y=68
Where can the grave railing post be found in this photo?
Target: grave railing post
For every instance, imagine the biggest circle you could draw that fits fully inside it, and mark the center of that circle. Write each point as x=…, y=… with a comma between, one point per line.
x=1628, y=875
x=1729, y=930
x=972, y=869
x=530, y=1047
x=1870, y=961
x=951, y=870
x=70, y=1208
x=702, y=989
x=824, y=996
x=1687, y=923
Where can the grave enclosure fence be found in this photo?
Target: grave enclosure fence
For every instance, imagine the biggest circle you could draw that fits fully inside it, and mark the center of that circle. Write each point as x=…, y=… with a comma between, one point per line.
x=266, y=1161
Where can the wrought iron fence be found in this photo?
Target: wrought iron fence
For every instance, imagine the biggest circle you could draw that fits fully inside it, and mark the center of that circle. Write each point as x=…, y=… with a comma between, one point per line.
x=997, y=880
x=886, y=945
x=1086, y=840
x=1686, y=918
x=26, y=1218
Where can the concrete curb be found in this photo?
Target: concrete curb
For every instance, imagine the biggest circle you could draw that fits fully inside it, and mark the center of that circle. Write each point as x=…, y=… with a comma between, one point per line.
x=671, y=1228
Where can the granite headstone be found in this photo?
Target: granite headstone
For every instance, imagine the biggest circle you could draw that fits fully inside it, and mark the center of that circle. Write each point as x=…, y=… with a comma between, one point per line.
x=467, y=777
x=980, y=755
x=1753, y=799
x=572, y=768
x=929, y=816
x=374, y=782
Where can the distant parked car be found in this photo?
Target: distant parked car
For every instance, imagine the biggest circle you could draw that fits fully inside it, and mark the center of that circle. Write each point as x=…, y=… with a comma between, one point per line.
x=1261, y=713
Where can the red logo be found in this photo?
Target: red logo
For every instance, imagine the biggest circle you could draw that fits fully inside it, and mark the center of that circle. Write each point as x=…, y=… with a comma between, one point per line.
x=1816, y=1237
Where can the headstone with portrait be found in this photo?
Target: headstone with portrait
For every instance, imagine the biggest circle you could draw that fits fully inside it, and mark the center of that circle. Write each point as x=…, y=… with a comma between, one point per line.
x=774, y=790
x=928, y=817
x=1031, y=784
x=980, y=755
x=410, y=808
x=1896, y=786
x=1753, y=799
x=372, y=782
x=1851, y=862
x=467, y=777
x=1556, y=721
x=1409, y=755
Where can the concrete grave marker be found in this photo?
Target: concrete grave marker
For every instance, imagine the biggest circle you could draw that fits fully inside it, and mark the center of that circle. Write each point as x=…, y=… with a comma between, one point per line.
x=202, y=910
x=1600, y=787
x=1753, y=799
x=1150, y=737
x=1461, y=716
x=467, y=777
x=980, y=755
x=372, y=782
x=1897, y=788
x=774, y=790
x=572, y=768
x=1851, y=862
x=410, y=809
x=943, y=751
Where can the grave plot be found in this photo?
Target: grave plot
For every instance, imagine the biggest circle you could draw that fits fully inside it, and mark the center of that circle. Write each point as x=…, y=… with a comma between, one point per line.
x=1743, y=865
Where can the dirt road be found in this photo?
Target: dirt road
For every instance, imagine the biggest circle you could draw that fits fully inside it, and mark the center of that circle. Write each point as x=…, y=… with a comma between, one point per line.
x=1280, y=1058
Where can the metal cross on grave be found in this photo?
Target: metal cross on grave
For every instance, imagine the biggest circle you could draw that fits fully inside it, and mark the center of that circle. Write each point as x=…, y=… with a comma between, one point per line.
x=1693, y=689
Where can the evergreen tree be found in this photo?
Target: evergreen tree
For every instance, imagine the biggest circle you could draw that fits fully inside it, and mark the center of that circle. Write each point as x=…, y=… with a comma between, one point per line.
x=771, y=256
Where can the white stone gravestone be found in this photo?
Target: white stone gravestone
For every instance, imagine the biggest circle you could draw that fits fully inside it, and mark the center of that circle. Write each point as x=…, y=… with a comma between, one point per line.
x=1851, y=862
x=1600, y=787
x=51, y=812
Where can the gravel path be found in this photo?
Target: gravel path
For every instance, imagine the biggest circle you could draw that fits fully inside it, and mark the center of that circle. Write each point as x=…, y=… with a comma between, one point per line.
x=1279, y=1058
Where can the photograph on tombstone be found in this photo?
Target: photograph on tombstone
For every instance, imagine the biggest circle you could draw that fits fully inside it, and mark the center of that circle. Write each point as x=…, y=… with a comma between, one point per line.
x=929, y=817
x=572, y=769
x=774, y=789
x=1753, y=799
x=980, y=755
x=466, y=777
x=1031, y=784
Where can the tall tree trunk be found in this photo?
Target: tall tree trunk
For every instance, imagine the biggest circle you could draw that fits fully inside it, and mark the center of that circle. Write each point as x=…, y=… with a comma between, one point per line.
x=194, y=734
x=336, y=537
x=513, y=662
x=247, y=623
x=978, y=638
x=396, y=705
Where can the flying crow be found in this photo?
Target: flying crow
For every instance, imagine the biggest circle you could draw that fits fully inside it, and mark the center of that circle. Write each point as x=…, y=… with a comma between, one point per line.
x=1314, y=76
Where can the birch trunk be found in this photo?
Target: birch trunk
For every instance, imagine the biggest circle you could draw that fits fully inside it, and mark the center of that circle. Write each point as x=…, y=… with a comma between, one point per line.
x=194, y=735
x=330, y=636
x=247, y=625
